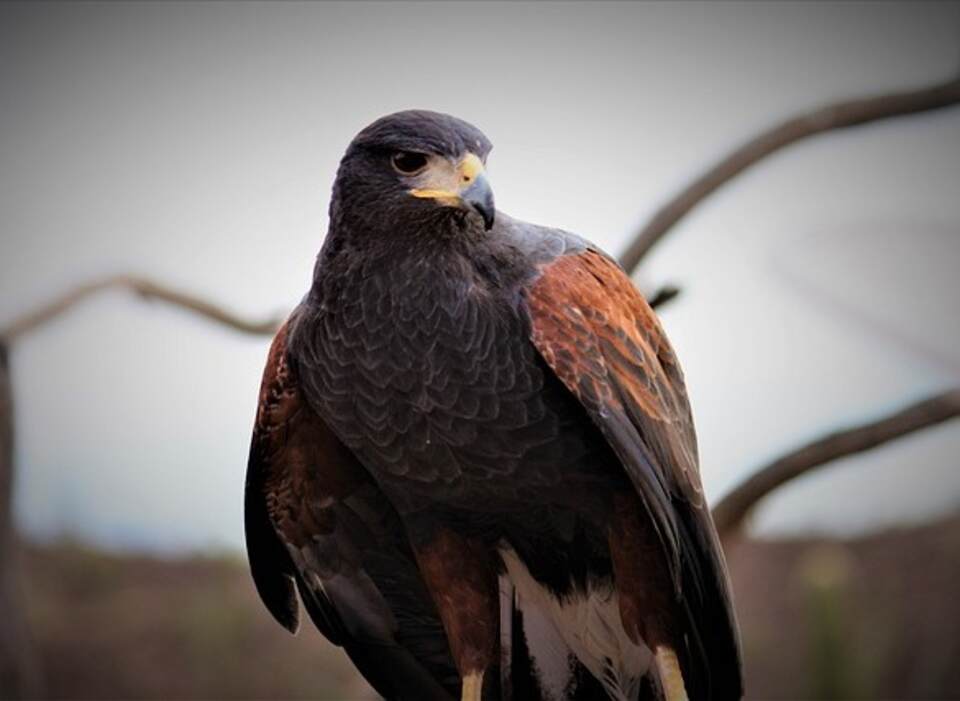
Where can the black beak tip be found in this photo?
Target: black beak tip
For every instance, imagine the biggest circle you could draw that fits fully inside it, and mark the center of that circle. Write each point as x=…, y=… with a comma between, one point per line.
x=487, y=213
x=485, y=207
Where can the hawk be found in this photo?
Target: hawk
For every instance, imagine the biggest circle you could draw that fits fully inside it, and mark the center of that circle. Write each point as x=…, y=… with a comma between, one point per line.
x=474, y=457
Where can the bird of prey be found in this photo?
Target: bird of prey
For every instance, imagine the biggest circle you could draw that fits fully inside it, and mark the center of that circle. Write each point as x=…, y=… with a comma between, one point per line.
x=473, y=456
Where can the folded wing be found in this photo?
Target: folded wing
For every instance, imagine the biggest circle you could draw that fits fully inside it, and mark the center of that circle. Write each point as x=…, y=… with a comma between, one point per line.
x=316, y=523
x=606, y=345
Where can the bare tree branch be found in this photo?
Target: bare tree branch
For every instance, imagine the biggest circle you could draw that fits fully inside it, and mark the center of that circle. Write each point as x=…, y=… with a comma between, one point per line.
x=661, y=296
x=19, y=675
x=145, y=288
x=828, y=118
x=734, y=507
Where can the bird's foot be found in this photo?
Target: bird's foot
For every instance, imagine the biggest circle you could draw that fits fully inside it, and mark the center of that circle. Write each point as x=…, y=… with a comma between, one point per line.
x=472, y=686
x=671, y=678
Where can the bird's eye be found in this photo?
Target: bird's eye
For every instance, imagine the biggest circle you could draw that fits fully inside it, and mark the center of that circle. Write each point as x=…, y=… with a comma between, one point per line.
x=408, y=162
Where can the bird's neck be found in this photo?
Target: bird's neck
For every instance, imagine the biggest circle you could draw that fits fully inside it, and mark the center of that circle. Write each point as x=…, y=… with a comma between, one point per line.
x=438, y=245
x=442, y=264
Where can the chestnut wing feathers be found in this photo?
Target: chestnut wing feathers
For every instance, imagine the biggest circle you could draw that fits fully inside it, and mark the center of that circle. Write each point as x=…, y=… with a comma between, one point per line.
x=606, y=345
x=315, y=522
x=604, y=342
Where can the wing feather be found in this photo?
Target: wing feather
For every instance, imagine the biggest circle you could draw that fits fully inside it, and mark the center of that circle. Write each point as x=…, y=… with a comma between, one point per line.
x=316, y=523
x=606, y=345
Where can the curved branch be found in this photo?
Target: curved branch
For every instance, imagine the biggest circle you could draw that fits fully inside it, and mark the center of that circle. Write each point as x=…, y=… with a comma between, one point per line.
x=662, y=296
x=147, y=289
x=733, y=508
x=828, y=118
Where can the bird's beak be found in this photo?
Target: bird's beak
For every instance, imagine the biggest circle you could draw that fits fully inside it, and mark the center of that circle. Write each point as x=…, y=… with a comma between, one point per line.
x=479, y=196
x=465, y=186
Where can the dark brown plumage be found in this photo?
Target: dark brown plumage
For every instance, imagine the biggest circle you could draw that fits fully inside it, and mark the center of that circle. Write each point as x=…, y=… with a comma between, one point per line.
x=474, y=457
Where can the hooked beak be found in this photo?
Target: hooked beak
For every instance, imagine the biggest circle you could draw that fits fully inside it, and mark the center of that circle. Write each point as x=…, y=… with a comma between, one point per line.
x=479, y=196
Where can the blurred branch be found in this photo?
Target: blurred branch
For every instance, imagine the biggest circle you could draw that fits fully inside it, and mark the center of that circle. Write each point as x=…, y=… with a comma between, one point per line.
x=18, y=671
x=147, y=289
x=733, y=508
x=665, y=294
x=839, y=115
x=6, y=464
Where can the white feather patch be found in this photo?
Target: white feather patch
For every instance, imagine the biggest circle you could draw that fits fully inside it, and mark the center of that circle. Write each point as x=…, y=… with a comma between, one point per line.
x=588, y=624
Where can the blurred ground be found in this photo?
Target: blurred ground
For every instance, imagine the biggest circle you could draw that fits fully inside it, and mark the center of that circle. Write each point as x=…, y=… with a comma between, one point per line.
x=876, y=617
x=130, y=627
x=872, y=618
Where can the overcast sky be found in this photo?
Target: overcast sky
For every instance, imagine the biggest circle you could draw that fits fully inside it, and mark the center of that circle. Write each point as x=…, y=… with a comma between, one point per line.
x=197, y=144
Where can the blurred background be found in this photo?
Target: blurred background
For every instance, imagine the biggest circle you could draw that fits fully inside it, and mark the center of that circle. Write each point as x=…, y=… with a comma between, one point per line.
x=196, y=144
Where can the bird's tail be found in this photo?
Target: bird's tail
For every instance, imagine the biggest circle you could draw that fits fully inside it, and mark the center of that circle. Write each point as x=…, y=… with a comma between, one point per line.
x=535, y=662
x=711, y=657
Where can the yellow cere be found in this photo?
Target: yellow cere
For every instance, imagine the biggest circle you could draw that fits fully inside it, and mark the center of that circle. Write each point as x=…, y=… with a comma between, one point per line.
x=470, y=167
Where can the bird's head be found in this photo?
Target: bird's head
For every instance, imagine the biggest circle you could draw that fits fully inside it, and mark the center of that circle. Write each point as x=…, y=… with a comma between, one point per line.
x=411, y=169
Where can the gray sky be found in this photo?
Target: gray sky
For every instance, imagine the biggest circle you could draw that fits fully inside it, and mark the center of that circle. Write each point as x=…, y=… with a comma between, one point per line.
x=197, y=144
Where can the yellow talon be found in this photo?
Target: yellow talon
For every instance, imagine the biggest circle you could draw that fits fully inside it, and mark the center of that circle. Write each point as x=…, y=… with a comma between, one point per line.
x=472, y=686
x=671, y=678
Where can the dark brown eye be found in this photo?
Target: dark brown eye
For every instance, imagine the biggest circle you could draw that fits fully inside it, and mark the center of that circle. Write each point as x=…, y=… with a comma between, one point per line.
x=408, y=162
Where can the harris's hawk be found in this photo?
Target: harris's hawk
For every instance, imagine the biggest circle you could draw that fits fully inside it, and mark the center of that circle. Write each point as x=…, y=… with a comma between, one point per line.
x=474, y=457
